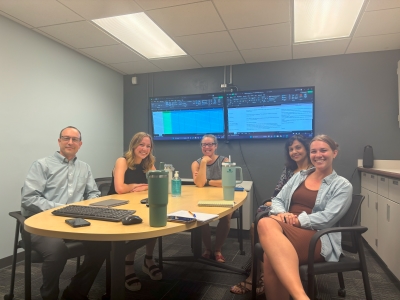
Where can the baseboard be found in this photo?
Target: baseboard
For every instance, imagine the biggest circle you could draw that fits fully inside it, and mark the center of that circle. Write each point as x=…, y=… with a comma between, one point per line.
x=7, y=261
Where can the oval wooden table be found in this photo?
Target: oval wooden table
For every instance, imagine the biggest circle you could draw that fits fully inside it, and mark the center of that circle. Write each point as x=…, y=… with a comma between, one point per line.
x=46, y=224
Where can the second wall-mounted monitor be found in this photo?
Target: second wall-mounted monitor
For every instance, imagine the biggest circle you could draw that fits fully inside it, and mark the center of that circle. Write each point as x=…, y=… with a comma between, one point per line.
x=271, y=114
x=187, y=117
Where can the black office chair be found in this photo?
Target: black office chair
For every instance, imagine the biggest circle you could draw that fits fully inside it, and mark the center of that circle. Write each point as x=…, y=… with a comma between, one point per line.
x=348, y=224
x=75, y=249
x=103, y=184
x=238, y=215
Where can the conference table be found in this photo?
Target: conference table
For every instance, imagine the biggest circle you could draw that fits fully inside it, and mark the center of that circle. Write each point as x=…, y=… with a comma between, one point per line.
x=46, y=224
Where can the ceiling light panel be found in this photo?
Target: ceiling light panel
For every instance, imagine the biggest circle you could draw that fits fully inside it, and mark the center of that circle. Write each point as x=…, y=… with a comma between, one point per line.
x=324, y=19
x=140, y=33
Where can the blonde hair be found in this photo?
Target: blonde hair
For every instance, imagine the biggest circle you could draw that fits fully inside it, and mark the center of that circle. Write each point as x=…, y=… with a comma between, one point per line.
x=149, y=161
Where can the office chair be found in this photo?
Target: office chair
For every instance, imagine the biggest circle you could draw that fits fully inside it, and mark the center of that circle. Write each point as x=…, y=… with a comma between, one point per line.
x=348, y=224
x=238, y=215
x=103, y=184
x=75, y=249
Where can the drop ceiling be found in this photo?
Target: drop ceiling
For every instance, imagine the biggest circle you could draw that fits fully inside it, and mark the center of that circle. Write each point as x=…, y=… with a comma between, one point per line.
x=212, y=32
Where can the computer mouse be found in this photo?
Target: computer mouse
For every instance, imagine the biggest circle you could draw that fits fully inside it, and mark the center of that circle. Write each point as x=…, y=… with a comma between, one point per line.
x=129, y=220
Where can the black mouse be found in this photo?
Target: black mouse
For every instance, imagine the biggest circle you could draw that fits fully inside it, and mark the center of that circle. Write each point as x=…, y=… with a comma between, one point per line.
x=129, y=220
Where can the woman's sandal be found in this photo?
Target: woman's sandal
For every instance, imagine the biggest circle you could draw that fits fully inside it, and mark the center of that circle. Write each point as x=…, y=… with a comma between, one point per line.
x=241, y=288
x=132, y=282
x=153, y=271
x=260, y=285
x=218, y=257
x=206, y=254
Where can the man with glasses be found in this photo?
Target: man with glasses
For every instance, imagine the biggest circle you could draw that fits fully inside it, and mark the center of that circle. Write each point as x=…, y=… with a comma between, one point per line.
x=51, y=182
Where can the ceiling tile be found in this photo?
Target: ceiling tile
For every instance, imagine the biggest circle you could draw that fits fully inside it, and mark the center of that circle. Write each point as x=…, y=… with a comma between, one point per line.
x=219, y=59
x=236, y=14
x=113, y=54
x=39, y=12
x=262, y=36
x=374, y=43
x=382, y=4
x=176, y=63
x=136, y=67
x=187, y=19
x=91, y=9
x=80, y=34
x=153, y=4
x=206, y=43
x=379, y=22
x=323, y=48
x=267, y=54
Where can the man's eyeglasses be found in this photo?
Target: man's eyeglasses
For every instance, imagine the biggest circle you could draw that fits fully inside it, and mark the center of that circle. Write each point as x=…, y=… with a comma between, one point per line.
x=67, y=138
x=207, y=144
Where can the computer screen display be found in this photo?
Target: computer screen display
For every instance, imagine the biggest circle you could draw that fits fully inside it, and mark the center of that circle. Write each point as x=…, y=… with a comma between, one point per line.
x=270, y=114
x=187, y=117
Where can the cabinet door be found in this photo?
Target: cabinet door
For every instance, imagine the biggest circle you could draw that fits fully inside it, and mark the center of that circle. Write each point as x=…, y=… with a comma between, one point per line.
x=372, y=182
x=394, y=190
x=364, y=180
x=369, y=217
x=383, y=186
x=388, y=227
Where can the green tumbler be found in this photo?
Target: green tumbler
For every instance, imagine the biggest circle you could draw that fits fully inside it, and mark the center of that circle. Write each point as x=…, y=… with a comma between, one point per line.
x=158, y=197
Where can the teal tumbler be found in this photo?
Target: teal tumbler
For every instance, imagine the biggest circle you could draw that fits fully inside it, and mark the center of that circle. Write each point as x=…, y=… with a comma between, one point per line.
x=158, y=197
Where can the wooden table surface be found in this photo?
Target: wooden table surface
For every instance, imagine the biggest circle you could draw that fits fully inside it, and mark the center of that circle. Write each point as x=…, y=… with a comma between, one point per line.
x=46, y=224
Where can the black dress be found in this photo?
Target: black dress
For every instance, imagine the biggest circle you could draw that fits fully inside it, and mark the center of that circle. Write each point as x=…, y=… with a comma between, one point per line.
x=131, y=176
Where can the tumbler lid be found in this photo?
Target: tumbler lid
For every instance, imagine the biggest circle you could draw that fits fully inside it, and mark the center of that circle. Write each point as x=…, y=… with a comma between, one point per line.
x=228, y=164
x=157, y=174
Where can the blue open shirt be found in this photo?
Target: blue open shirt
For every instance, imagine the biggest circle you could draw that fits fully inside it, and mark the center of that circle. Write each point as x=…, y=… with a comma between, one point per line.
x=333, y=201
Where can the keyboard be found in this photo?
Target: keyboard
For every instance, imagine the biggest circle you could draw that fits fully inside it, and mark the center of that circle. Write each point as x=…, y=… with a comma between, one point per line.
x=93, y=212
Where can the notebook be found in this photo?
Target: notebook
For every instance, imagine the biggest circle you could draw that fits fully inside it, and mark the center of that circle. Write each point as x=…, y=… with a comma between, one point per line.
x=186, y=216
x=216, y=203
x=110, y=203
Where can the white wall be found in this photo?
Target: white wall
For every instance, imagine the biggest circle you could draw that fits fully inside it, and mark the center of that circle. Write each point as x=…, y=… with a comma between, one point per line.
x=44, y=87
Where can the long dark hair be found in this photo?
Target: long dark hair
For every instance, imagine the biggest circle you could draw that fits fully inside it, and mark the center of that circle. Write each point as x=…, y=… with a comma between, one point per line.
x=290, y=163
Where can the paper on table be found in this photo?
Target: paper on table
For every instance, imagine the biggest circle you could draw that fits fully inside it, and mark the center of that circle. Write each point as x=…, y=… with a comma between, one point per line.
x=201, y=217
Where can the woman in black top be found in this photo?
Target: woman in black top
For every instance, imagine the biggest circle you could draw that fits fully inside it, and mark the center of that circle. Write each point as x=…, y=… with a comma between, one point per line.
x=129, y=175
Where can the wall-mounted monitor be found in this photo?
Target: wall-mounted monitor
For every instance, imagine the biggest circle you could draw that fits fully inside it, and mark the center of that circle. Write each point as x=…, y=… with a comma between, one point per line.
x=187, y=117
x=270, y=114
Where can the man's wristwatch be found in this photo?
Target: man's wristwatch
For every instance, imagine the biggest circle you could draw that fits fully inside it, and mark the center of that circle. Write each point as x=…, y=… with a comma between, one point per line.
x=207, y=182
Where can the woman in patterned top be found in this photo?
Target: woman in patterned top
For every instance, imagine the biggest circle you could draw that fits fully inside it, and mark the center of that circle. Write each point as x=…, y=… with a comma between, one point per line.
x=297, y=158
x=207, y=171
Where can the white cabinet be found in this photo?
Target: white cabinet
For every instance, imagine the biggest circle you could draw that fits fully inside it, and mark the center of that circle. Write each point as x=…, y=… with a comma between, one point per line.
x=380, y=212
x=389, y=241
x=369, y=217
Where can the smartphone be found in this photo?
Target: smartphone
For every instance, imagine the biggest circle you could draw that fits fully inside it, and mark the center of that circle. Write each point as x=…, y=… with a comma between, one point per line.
x=77, y=222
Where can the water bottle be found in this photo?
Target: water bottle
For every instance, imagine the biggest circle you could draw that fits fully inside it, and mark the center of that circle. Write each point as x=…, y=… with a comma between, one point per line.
x=170, y=169
x=158, y=197
x=176, y=185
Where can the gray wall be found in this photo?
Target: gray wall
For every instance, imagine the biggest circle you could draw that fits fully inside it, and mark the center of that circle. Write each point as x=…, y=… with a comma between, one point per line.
x=356, y=104
x=44, y=87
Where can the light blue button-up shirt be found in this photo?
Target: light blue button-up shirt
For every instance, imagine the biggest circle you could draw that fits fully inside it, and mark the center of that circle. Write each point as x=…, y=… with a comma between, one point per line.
x=54, y=181
x=333, y=201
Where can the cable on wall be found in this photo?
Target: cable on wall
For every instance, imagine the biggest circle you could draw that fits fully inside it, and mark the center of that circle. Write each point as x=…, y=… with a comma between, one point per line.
x=251, y=177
